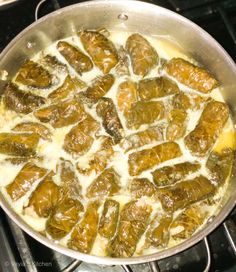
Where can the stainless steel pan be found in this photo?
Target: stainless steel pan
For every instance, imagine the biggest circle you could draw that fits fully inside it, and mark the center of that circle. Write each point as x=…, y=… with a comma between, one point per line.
x=133, y=16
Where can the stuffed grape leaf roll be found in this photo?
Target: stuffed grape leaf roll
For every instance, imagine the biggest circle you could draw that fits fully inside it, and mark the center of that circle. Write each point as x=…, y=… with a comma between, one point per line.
x=147, y=136
x=34, y=75
x=101, y=50
x=62, y=114
x=28, y=175
x=85, y=232
x=177, y=119
x=80, y=138
x=147, y=158
x=181, y=101
x=220, y=164
x=144, y=113
x=157, y=234
x=126, y=95
x=52, y=63
x=34, y=127
x=69, y=181
x=99, y=87
x=184, y=193
x=64, y=217
x=106, y=184
x=69, y=87
x=177, y=125
x=202, y=138
x=18, y=144
x=45, y=197
x=133, y=222
x=75, y=57
x=156, y=87
x=187, y=222
x=21, y=101
x=110, y=119
x=191, y=75
x=142, y=187
x=168, y=175
x=109, y=219
x=143, y=56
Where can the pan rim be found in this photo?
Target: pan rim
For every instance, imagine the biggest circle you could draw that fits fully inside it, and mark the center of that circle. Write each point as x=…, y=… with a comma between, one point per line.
x=131, y=260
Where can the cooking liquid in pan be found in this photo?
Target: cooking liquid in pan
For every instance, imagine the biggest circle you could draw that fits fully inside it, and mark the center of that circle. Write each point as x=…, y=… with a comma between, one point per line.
x=52, y=150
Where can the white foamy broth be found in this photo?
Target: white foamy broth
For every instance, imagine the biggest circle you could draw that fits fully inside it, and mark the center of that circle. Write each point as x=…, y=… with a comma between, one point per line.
x=51, y=151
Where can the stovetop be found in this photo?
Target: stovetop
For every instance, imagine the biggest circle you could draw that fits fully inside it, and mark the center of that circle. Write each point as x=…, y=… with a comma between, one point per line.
x=217, y=253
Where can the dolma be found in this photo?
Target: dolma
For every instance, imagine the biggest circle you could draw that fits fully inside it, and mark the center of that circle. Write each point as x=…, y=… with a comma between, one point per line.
x=147, y=158
x=69, y=87
x=109, y=219
x=28, y=175
x=100, y=86
x=99, y=160
x=75, y=57
x=143, y=56
x=18, y=144
x=69, y=182
x=64, y=217
x=220, y=164
x=181, y=101
x=80, y=138
x=126, y=95
x=85, y=232
x=34, y=75
x=142, y=187
x=144, y=113
x=62, y=114
x=158, y=231
x=168, y=175
x=133, y=222
x=156, y=87
x=184, y=193
x=34, y=127
x=191, y=75
x=101, y=50
x=106, y=184
x=45, y=197
x=142, y=138
x=176, y=128
x=187, y=222
x=52, y=63
x=177, y=119
x=21, y=101
x=110, y=119
x=202, y=138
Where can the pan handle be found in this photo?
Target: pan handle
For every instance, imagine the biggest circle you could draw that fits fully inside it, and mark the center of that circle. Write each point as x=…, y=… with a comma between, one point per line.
x=40, y=3
x=230, y=231
x=72, y=266
x=126, y=268
x=153, y=267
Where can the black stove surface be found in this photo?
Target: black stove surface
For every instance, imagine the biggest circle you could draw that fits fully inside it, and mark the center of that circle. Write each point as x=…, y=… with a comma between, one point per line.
x=20, y=252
